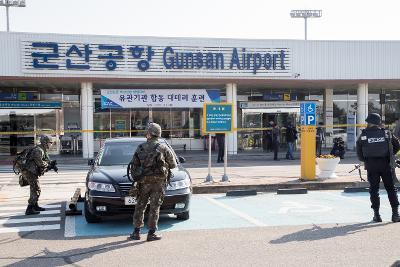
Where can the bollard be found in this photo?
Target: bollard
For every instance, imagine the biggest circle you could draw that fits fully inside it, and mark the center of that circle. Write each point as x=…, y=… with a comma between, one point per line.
x=73, y=204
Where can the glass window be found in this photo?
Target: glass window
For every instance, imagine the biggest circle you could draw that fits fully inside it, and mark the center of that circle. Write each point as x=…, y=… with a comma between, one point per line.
x=101, y=120
x=174, y=122
x=50, y=97
x=344, y=103
x=120, y=123
x=117, y=153
x=4, y=127
x=373, y=101
x=139, y=121
x=392, y=106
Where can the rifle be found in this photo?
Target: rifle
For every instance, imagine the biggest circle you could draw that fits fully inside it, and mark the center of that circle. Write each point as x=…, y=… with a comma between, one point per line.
x=358, y=167
x=133, y=191
x=53, y=166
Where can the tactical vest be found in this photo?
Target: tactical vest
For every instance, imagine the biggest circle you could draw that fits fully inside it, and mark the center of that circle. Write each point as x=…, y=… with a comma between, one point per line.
x=31, y=165
x=152, y=159
x=374, y=143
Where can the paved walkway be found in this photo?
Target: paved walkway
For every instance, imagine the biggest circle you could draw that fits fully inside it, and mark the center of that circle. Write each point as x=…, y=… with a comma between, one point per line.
x=248, y=171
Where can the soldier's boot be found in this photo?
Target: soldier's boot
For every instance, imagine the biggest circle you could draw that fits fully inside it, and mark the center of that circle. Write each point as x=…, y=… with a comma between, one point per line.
x=152, y=236
x=30, y=210
x=377, y=216
x=135, y=235
x=38, y=208
x=395, y=214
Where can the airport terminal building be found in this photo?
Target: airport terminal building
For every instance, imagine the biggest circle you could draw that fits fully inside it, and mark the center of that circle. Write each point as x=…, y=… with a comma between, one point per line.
x=82, y=89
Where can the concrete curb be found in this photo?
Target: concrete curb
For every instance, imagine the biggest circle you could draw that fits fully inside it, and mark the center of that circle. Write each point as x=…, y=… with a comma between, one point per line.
x=212, y=189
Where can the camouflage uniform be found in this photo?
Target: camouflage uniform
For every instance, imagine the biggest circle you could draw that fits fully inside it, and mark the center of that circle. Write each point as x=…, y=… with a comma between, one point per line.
x=152, y=187
x=36, y=166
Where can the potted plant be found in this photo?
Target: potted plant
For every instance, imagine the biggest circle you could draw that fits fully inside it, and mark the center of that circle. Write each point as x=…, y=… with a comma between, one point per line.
x=327, y=165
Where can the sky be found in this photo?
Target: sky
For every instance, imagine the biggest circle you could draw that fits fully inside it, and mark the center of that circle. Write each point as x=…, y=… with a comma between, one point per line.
x=249, y=19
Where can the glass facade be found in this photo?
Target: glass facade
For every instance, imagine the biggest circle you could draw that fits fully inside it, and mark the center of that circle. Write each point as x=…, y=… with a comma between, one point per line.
x=279, y=106
x=181, y=126
x=390, y=109
x=21, y=127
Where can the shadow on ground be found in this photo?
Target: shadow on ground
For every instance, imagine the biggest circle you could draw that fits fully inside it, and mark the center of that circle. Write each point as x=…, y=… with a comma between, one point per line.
x=317, y=233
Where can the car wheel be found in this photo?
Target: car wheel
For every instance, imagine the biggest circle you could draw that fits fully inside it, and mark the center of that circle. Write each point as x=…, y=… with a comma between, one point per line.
x=183, y=216
x=90, y=218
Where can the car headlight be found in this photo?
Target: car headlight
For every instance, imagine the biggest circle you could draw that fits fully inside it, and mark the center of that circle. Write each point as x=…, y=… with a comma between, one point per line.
x=178, y=184
x=101, y=187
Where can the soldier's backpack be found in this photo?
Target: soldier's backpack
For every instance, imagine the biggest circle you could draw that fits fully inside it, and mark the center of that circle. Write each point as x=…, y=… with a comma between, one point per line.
x=152, y=162
x=20, y=161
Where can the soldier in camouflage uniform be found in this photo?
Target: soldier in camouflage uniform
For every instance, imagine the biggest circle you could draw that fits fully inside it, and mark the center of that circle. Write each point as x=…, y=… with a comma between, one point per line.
x=37, y=163
x=151, y=187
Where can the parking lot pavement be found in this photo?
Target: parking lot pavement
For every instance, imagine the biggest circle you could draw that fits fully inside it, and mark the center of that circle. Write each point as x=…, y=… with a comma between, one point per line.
x=217, y=211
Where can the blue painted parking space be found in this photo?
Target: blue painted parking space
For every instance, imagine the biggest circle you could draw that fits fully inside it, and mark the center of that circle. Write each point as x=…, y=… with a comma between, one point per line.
x=218, y=212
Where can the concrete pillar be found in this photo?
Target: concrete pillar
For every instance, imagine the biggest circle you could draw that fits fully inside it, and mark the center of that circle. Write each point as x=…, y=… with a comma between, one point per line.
x=328, y=111
x=87, y=119
x=231, y=97
x=362, y=105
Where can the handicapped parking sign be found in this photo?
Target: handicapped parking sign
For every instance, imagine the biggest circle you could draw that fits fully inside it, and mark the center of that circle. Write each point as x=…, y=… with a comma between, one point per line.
x=307, y=112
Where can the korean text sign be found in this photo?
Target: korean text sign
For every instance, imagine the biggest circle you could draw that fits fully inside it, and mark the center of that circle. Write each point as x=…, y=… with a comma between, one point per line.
x=157, y=98
x=127, y=58
x=217, y=118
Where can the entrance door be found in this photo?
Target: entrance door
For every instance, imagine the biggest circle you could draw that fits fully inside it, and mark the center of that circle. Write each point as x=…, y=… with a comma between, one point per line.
x=282, y=119
x=21, y=128
x=256, y=133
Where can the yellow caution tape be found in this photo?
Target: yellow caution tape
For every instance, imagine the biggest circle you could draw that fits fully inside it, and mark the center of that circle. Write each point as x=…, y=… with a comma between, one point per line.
x=62, y=132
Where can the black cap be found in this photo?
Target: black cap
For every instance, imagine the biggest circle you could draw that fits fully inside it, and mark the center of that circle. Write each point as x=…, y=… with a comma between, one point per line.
x=373, y=118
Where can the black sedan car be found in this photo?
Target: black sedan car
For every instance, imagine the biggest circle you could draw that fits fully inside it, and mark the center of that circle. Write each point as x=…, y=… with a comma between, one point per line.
x=107, y=183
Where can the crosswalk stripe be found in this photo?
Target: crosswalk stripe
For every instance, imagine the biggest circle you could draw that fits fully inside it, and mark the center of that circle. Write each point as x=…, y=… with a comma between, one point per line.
x=46, y=212
x=29, y=220
x=30, y=228
x=24, y=207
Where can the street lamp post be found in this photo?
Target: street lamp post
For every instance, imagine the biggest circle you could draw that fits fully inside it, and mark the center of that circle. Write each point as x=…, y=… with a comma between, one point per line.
x=306, y=14
x=8, y=4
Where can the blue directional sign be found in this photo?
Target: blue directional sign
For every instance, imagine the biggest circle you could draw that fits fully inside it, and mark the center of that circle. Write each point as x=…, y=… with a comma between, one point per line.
x=308, y=113
x=217, y=118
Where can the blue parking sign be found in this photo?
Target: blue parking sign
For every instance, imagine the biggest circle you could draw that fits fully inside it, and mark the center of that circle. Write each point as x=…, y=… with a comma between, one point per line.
x=310, y=119
x=308, y=113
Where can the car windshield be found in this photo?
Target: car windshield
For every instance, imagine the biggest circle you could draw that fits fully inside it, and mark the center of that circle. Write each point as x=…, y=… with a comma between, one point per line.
x=117, y=153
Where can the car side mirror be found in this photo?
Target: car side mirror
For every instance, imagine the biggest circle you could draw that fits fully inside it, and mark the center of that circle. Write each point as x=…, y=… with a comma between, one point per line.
x=181, y=159
x=90, y=162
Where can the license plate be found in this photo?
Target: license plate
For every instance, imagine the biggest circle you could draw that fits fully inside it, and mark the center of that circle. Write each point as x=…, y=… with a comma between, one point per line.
x=130, y=201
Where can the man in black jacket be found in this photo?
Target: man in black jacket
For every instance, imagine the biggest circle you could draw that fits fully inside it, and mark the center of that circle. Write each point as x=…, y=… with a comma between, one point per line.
x=291, y=136
x=221, y=146
x=376, y=147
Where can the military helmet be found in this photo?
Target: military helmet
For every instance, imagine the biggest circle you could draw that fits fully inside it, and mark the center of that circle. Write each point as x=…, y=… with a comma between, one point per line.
x=44, y=139
x=154, y=129
x=373, y=118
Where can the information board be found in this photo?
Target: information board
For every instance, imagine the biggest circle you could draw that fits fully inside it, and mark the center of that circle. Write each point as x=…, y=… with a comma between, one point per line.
x=217, y=118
